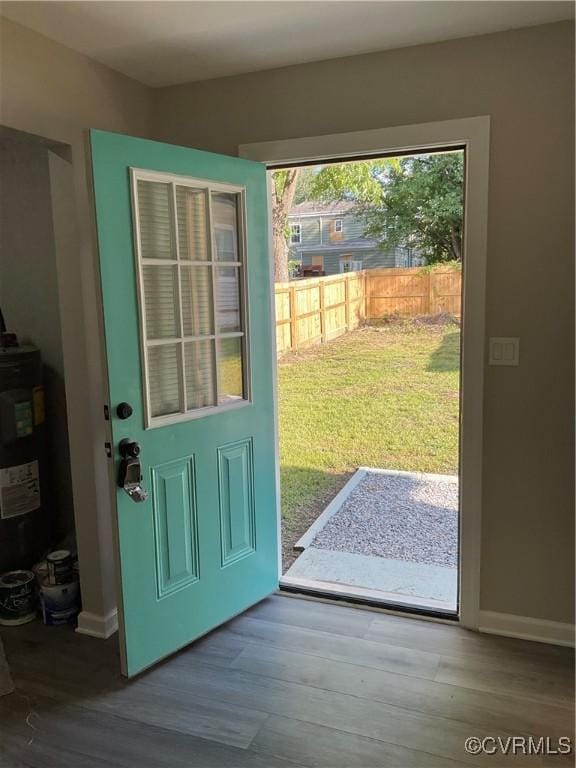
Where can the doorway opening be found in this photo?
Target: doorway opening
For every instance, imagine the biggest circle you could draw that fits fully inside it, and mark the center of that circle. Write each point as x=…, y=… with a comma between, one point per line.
x=37, y=243
x=368, y=257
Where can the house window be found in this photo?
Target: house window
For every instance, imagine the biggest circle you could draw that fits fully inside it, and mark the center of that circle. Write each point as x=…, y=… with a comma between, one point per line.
x=350, y=265
x=295, y=234
x=338, y=225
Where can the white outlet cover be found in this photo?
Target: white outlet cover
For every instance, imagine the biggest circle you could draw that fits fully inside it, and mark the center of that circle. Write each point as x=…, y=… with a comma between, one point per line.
x=504, y=350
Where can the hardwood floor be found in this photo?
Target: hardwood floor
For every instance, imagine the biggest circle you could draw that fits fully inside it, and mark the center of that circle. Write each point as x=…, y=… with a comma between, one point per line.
x=292, y=682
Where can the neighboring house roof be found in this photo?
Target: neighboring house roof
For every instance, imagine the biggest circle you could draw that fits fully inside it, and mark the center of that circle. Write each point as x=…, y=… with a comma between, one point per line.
x=314, y=208
x=339, y=245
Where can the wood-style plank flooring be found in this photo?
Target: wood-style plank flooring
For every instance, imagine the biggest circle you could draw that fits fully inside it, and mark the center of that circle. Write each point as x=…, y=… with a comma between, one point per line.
x=292, y=682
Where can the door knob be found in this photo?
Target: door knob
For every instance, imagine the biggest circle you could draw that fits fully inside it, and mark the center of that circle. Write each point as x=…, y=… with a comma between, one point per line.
x=124, y=410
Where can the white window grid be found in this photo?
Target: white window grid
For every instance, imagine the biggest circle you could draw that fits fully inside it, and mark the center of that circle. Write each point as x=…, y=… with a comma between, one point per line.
x=350, y=265
x=209, y=186
x=295, y=234
x=338, y=225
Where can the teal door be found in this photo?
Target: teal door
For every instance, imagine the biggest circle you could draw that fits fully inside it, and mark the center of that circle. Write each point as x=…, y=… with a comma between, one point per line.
x=185, y=273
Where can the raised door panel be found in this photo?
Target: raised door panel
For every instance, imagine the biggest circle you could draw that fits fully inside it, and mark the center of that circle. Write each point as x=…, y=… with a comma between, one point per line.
x=175, y=525
x=236, y=489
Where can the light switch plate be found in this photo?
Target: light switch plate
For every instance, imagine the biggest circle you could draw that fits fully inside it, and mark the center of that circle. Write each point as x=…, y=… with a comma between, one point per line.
x=504, y=350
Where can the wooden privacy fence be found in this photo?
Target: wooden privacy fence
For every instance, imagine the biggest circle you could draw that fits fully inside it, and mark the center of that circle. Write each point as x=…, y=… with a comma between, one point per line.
x=318, y=309
x=412, y=291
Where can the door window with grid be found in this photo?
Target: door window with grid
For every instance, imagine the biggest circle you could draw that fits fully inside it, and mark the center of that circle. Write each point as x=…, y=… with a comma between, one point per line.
x=191, y=291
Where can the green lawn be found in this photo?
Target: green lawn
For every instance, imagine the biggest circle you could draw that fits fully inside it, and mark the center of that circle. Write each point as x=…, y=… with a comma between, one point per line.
x=380, y=397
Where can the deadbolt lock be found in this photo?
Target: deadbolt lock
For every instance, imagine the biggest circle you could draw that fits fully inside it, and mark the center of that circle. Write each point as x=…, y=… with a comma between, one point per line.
x=130, y=471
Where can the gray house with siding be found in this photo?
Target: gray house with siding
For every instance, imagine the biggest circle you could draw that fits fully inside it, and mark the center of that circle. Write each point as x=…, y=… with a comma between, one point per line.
x=330, y=237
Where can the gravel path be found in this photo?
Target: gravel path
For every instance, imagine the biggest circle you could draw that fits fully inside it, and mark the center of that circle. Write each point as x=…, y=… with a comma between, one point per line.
x=397, y=517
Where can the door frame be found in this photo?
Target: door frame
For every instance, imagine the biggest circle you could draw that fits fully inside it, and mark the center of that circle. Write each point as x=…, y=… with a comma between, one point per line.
x=473, y=134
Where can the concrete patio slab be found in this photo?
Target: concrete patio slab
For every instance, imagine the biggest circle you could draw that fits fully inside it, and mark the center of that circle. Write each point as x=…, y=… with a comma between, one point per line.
x=388, y=535
x=434, y=585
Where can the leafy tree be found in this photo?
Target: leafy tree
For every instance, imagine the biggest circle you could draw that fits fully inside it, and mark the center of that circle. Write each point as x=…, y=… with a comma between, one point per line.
x=415, y=201
x=304, y=186
x=361, y=182
x=421, y=206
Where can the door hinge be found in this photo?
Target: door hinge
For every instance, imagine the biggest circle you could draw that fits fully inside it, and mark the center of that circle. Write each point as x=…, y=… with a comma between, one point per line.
x=108, y=449
x=106, y=412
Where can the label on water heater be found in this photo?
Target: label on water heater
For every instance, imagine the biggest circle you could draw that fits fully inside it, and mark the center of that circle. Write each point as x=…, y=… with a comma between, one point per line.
x=23, y=419
x=19, y=489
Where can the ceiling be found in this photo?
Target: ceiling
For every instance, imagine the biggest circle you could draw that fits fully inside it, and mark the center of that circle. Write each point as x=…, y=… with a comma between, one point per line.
x=164, y=43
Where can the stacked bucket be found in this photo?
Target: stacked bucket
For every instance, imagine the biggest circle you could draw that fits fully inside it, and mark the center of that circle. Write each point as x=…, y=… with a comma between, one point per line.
x=52, y=584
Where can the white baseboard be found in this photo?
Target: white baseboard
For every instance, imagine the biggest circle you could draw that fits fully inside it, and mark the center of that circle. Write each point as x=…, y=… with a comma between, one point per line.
x=526, y=628
x=94, y=625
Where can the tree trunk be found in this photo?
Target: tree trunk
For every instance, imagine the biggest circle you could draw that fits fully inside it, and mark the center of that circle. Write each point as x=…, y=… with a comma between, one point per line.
x=282, y=200
x=456, y=242
x=281, y=274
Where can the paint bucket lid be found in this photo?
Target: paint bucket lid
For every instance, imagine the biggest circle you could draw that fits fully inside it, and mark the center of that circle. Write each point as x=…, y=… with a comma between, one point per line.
x=58, y=556
x=16, y=578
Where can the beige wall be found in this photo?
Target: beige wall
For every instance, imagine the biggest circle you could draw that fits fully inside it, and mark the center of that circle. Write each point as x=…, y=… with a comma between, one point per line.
x=48, y=90
x=524, y=81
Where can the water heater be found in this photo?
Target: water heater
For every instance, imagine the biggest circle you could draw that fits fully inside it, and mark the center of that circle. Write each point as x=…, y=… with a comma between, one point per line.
x=23, y=522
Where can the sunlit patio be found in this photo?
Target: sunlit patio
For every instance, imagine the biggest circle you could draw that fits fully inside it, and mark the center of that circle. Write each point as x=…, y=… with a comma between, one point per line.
x=388, y=536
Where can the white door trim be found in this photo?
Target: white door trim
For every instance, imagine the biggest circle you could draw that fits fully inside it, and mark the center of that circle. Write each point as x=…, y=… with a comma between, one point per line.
x=474, y=134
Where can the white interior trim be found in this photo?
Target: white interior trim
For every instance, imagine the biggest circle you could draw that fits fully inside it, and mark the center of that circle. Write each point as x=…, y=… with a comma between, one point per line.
x=97, y=626
x=474, y=134
x=527, y=628
x=274, y=357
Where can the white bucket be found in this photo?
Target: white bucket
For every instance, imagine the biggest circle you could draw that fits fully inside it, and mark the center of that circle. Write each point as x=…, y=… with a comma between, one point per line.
x=60, y=602
x=18, y=598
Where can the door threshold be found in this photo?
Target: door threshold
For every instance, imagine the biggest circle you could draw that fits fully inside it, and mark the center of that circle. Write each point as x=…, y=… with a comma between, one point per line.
x=389, y=601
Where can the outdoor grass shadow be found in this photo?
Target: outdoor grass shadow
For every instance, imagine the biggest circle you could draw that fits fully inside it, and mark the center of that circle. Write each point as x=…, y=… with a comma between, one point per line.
x=446, y=357
x=306, y=491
